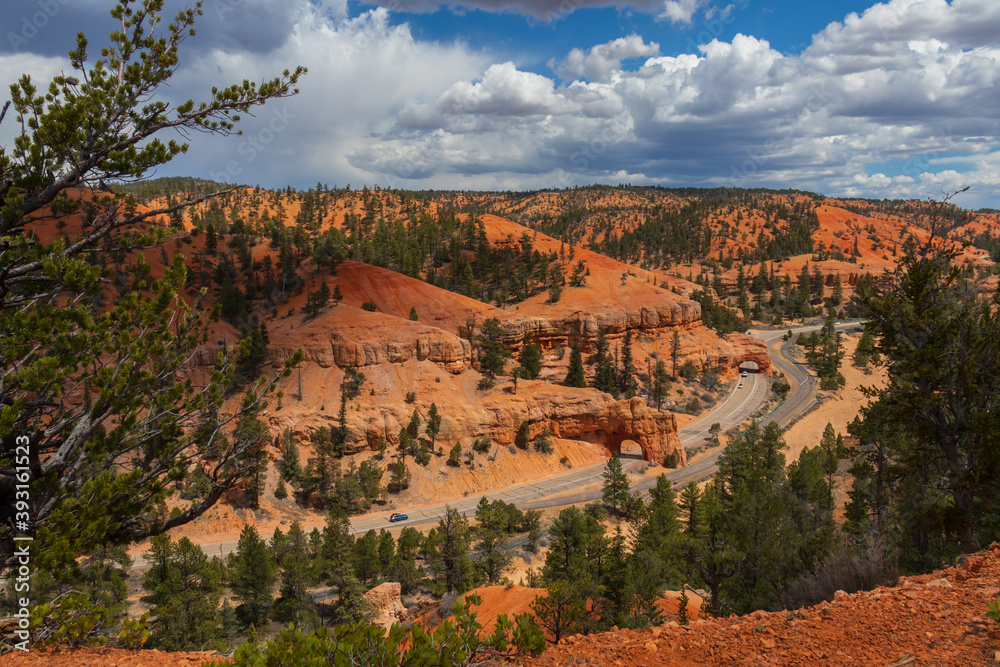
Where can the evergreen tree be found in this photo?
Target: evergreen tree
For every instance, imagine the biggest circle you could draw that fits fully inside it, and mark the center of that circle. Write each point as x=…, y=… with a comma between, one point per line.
x=838, y=291
x=604, y=371
x=433, y=426
x=253, y=435
x=253, y=577
x=579, y=278
x=370, y=480
x=413, y=314
x=830, y=459
x=455, y=455
x=616, y=484
x=627, y=382
x=675, y=351
x=295, y=604
x=492, y=535
x=399, y=477
x=184, y=591
x=865, y=352
x=574, y=374
x=530, y=358
x=289, y=467
x=492, y=352
x=523, y=437
x=689, y=505
x=340, y=441
x=936, y=419
x=449, y=555
x=93, y=126
x=661, y=383
x=805, y=284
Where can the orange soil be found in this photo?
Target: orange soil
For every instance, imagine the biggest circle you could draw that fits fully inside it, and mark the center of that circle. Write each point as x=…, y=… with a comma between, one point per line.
x=935, y=619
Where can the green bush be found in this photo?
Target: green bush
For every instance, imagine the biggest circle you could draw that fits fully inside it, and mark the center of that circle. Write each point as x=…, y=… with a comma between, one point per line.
x=74, y=620
x=994, y=610
x=454, y=642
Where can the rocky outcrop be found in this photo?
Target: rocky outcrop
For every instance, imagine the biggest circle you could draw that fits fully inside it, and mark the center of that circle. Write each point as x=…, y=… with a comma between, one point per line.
x=389, y=609
x=585, y=414
x=359, y=348
x=345, y=336
x=583, y=325
x=743, y=348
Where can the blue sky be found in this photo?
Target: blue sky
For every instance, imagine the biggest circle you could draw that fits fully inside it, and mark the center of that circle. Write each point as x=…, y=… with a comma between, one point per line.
x=892, y=99
x=531, y=42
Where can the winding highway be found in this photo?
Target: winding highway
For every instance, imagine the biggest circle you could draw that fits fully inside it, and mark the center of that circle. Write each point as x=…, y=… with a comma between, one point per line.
x=744, y=398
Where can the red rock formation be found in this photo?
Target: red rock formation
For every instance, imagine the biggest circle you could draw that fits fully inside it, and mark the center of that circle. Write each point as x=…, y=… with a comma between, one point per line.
x=389, y=608
x=585, y=414
x=347, y=336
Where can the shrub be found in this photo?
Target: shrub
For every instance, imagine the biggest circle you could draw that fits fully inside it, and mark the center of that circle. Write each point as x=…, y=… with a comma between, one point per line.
x=453, y=642
x=781, y=389
x=688, y=371
x=847, y=568
x=74, y=620
x=369, y=306
x=482, y=445
x=422, y=456
x=543, y=442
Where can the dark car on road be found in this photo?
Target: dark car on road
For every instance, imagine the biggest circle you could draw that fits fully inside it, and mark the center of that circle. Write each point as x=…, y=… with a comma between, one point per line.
x=396, y=516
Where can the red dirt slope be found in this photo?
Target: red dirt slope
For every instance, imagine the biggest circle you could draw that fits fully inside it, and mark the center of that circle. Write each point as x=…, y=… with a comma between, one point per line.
x=937, y=619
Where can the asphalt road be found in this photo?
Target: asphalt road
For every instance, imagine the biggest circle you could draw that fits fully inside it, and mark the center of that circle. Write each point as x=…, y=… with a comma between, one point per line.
x=745, y=396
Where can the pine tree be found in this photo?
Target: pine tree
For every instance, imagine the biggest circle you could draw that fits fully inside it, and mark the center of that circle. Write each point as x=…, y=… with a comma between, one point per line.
x=449, y=556
x=675, y=351
x=661, y=383
x=689, y=506
x=492, y=535
x=604, y=371
x=295, y=604
x=530, y=358
x=838, y=291
x=88, y=127
x=340, y=440
x=253, y=435
x=289, y=467
x=616, y=483
x=830, y=459
x=433, y=426
x=413, y=314
x=936, y=420
x=521, y=440
x=574, y=374
x=628, y=384
x=399, y=477
x=253, y=577
x=492, y=352
x=184, y=591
